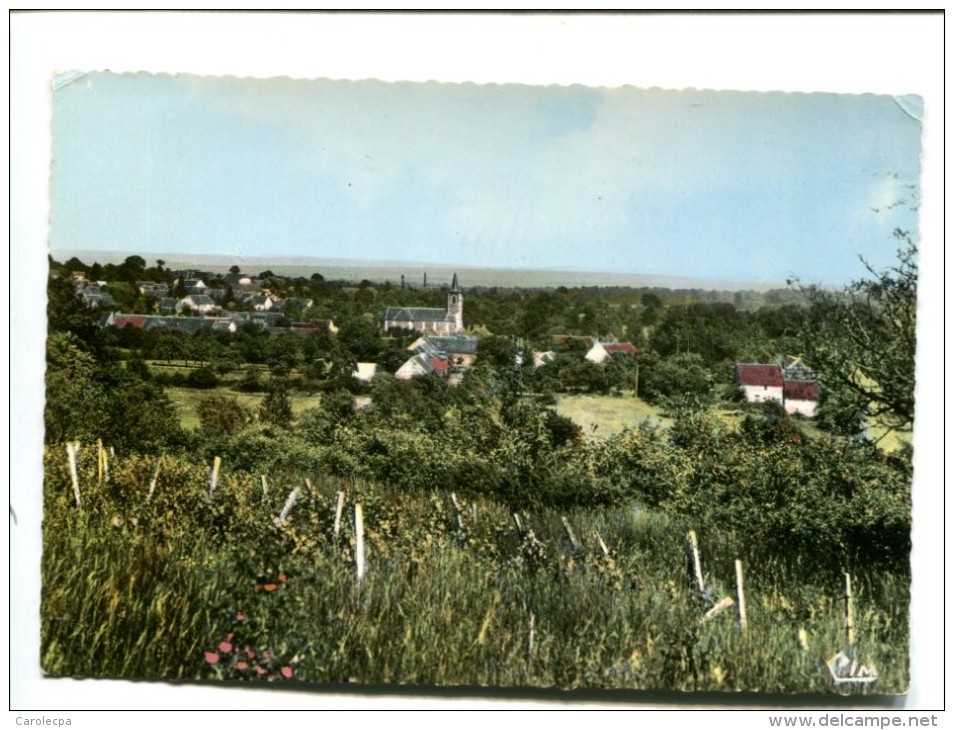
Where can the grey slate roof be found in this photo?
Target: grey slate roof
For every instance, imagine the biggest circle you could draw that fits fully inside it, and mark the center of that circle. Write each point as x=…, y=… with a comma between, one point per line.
x=415, y=314
x=199, y=300
x=455, y=344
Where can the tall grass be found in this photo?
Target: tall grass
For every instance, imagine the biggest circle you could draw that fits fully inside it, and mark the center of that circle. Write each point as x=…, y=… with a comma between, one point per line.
x=153, y=590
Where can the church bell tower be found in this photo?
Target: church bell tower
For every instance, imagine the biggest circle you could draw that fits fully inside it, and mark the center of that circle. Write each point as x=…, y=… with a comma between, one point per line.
x=455, y=305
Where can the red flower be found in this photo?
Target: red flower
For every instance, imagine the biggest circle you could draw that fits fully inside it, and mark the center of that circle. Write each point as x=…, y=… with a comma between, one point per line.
x=259, y=670
x=225, y=647
x=240, y=617
x=241, y=666
x=287, y=672
x=249, y=651
x=212, y=657
x=269, y=587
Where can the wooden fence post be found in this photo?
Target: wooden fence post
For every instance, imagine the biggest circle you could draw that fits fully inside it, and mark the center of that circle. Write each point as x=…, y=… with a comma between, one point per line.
x=100, y=454
x=721, y=606
x=155, y=478
x=289, y=503
x=214, y=477
x=264, y=487
x=740, y=594
x=693, y=547
x=849, y=615
x=603, y=547
x=516, y=522
x=72, y=452
x=574, y=543
x=338, y=510
x=460, y=517
x=530, y=638
x=359, y=543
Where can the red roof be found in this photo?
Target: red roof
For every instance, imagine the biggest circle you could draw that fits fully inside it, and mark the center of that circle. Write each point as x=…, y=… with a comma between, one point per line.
x=624, y=347
x=440, y=364
x=130, y=320
x=800, y=390
x=759, y=374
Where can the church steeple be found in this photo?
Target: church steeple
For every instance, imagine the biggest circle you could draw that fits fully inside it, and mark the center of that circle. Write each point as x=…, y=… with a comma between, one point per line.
x=455, y=305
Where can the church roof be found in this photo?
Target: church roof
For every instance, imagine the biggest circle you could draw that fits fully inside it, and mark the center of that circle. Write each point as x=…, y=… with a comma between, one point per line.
x=415, y=314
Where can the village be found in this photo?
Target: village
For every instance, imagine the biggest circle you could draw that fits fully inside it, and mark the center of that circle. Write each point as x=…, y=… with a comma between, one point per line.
x=442, y=346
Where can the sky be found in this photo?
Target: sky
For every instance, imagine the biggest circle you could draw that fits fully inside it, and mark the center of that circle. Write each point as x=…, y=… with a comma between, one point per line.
x=740, y=186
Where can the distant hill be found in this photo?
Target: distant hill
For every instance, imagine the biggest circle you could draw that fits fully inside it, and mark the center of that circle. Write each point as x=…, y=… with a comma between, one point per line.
x=413, y=272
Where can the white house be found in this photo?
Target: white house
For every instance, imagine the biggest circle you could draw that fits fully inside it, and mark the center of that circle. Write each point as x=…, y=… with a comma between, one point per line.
x=364, y=372
x=801, y=396
x=603, y=351
x=261, y=302
x=200, y=303
x=760, y=382
x=422, y=364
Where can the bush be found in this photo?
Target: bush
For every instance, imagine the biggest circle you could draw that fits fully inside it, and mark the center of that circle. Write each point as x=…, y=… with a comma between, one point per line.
x=203, y=377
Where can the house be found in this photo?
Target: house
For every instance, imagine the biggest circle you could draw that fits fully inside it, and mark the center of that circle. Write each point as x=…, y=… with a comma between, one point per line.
x=460, y=349
x=167, y=305
x=138, y=321
x=194, y=286
x=200, y=303
x=261, y=302
x=95, y=298
x=224, y=325
x=291, y=304
x=801, y=397
x=600, y=352
x=152, y=290
x=423, y=364
x=760, y=382
x=449, y=320
x=794, y=369
x=217, y=294
x=543, y=358
x=314, y=327
x=364, y=372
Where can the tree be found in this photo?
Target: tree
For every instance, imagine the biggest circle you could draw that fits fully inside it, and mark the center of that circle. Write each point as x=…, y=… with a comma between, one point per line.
x=221, y=414
x=862, y=340
x=276, y=407
x=235, y=269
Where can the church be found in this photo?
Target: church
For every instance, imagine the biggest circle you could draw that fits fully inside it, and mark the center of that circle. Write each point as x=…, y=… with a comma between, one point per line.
x=430, y=320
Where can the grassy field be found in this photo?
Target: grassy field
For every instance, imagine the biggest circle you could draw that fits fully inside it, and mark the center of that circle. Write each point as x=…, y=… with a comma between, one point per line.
x=183, y=584
x=186, y=400
x=604, y=415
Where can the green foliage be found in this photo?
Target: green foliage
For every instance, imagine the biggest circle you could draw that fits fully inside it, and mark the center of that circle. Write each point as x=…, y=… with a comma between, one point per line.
x=276, y=407
x=222, y=414
x=665, y=378
x=203, y=377
x=862, y=342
